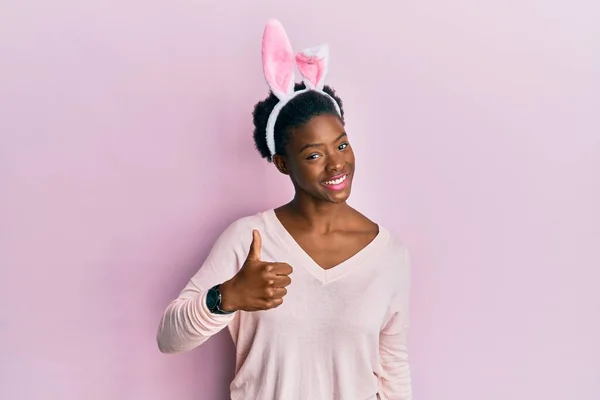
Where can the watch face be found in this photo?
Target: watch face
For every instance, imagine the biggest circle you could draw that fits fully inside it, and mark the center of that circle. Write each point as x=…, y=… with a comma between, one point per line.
x=212, y=298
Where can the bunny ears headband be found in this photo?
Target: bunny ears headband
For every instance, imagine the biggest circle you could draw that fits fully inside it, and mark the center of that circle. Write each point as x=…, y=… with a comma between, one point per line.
x=279, y=62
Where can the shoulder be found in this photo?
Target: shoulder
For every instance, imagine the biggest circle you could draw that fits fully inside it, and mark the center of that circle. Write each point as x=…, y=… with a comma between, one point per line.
x=246, y=223
x=397, y=265
x=233, y=243
x=395, y=244
x=394, y=248
x=240, y=229
x=396, y=252
x=363, y=225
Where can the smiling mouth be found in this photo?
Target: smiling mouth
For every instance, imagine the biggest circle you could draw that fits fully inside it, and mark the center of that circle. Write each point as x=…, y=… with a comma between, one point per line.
x=337, y=183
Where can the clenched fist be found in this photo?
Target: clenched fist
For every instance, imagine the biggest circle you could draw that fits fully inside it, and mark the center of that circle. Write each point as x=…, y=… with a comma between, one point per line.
x=258, y=285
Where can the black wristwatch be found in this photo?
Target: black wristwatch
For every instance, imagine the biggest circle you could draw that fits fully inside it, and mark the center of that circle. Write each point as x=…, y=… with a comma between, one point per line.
x=213, y=301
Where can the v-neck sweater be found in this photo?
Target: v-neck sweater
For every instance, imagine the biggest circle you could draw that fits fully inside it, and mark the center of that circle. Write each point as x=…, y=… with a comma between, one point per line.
x=340, y=334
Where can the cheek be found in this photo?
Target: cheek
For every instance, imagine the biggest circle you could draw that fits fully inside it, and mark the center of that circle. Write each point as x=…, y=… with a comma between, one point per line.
x=307, y=172
x=349, y=156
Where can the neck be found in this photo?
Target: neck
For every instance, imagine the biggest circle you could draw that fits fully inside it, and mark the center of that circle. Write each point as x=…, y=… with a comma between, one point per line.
x=319, y=216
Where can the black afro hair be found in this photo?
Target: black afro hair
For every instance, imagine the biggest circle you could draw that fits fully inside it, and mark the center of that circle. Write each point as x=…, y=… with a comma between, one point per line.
x=294, y=114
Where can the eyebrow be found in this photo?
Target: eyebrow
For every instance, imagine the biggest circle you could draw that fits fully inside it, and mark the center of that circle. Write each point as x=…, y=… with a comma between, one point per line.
x=309, y=145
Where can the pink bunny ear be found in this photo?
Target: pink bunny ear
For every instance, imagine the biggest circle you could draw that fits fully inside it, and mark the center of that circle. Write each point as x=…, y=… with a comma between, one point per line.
x=312, y=64
x=278, y=59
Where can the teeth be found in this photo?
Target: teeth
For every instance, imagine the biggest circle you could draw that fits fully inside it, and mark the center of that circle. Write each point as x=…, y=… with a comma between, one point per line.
x=336, y=181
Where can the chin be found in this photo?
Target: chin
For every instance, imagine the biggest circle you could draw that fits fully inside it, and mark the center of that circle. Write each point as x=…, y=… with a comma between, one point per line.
x=340, y=197
x=340, y=201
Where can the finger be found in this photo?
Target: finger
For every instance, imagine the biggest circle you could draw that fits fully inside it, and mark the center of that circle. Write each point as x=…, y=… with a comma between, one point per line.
x=273, y=303
x=282, y=269
x=255, y=246
x=268, y=275
x=278, y=293
x=281, y=281
x=274, y=293
x=269, y=293
x=273, y=278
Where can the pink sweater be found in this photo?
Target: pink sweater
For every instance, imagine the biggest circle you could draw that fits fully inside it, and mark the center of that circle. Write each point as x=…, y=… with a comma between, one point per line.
x=340, y=334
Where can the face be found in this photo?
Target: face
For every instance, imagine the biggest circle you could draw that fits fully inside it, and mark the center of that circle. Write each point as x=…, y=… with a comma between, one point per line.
x=319, y=159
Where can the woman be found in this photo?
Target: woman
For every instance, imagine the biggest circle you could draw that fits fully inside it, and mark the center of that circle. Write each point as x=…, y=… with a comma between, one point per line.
x=314, y=294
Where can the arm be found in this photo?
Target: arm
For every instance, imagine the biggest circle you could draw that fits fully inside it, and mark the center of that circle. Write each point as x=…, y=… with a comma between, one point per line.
x=395, y=380
x=186, y=322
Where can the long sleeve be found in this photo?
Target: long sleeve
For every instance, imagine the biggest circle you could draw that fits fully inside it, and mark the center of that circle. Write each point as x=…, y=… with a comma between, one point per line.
x=186, y=322
x=395, y=381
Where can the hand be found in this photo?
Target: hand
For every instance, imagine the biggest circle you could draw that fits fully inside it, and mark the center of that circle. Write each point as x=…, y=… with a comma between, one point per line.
x=258, y=285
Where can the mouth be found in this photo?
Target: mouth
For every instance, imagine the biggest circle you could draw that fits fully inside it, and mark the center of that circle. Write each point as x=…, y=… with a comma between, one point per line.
x=338, y=182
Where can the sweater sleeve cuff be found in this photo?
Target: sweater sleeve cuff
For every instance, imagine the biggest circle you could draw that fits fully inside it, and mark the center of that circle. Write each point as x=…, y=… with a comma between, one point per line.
x=212, y=320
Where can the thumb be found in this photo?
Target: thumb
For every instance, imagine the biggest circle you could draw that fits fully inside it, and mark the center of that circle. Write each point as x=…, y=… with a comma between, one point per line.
x=255, y=246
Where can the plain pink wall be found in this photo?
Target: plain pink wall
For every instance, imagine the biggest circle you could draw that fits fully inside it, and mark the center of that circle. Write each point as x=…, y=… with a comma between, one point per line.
x=126, y=148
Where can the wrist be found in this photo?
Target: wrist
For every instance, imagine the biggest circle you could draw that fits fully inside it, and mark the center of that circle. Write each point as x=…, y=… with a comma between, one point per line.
x=228, y=302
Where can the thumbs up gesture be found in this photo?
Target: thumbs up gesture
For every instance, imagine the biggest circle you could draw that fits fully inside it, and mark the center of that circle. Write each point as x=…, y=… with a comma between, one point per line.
x=258, y=285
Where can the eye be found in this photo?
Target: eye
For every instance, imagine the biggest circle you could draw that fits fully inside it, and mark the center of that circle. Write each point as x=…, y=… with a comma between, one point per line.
x=343, y=146
x=312, y=156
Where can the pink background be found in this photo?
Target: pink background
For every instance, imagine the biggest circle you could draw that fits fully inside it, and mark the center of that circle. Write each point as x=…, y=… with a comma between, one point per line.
x=126, y=148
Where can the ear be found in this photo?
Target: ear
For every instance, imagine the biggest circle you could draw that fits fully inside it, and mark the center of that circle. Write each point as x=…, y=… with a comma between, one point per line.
x=281, y=164
x=313, y=64
x=278, y=60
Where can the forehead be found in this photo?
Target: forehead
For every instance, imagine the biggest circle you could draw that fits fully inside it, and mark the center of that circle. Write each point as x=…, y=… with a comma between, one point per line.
x=319, y=129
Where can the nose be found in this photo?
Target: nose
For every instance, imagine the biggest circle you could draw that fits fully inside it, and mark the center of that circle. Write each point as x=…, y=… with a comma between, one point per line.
x=335, y=162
